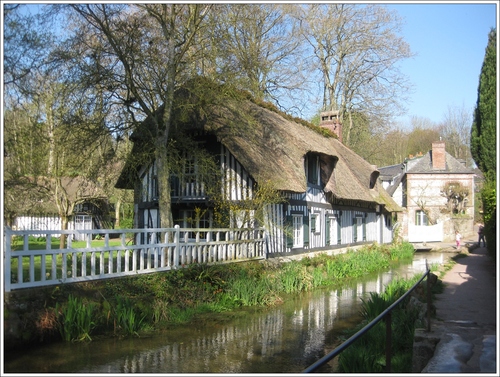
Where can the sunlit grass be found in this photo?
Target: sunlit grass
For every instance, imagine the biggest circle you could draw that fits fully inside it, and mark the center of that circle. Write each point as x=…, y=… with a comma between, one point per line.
x=40, y=243
x=367, y=354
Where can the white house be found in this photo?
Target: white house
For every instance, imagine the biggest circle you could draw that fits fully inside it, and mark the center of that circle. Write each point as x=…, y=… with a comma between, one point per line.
x=436, y=191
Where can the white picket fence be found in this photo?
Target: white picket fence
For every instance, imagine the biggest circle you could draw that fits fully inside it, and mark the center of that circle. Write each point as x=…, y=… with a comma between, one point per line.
x=138, y=251
x=426, y=233
x=77, y=222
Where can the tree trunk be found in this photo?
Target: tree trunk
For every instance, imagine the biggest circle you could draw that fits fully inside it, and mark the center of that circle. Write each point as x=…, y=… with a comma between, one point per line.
x=347, y=131
x=117, y=213
x=64, y=226
x=164, y=200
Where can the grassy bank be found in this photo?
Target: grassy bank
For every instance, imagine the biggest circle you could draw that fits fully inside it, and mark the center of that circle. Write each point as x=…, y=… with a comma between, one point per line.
x=367, y=355
x=134, y=305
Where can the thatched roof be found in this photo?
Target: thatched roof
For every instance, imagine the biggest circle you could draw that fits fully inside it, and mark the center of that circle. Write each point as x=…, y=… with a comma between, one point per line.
x=36, y=196
x=272, y=147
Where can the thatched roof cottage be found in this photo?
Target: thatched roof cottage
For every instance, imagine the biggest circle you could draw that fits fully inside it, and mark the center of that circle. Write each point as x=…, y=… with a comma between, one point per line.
x=332, y=196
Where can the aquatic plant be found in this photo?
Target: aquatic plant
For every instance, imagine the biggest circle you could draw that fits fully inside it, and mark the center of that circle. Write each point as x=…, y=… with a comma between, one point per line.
x=293, y=278
x=76, y=320
x=127, y=317
x=367, y=354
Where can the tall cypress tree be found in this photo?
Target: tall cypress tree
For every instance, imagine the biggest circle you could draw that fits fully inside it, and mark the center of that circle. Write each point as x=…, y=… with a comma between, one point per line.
x=483, y=139
x=483, y=132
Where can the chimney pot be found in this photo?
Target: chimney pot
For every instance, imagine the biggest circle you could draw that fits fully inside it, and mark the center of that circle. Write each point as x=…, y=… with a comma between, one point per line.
x=330, y=120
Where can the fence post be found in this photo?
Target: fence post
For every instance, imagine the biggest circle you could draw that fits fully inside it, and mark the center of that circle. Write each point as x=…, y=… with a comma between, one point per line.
x=164, y=250
x=7, y=259
x=388, y=342
x=177, y=246
x=208, y=239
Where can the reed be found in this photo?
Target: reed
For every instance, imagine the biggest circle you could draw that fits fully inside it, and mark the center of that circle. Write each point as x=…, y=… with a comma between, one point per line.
x=128, y=320
x=76, y=319
x=367, y=355
x=249, y=292
x=294, y=278
x=156, y=300
x=178, y=316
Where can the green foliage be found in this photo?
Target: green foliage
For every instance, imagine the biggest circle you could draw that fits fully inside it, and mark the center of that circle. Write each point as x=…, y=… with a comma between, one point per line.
x=76, y=319
x=145, y=302
x=367, y=354
x=128, y=318
x=179, y=316
x=483, y=132
x=249, y=294
x=489, y=199
x=294, y=278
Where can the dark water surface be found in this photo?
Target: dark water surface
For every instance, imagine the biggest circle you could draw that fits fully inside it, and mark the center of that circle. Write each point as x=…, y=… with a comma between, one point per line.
x=283, y=339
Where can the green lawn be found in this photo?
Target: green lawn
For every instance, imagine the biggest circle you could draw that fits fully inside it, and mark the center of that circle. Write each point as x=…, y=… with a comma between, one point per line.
x=40, y=243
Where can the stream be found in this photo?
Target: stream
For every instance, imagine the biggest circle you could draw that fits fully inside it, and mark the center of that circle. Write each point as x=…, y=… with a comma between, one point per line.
x=282, y=339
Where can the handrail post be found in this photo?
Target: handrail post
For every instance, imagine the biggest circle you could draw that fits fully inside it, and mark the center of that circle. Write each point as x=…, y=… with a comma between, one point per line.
x=429, y=298
x=388, y=342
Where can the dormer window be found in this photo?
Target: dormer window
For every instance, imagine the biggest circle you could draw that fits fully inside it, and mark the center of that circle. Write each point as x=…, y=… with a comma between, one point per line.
x=312, y=169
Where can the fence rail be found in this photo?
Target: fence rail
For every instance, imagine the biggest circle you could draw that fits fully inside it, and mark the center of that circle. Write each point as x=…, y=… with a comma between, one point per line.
x=386, y=315
x=125, y=252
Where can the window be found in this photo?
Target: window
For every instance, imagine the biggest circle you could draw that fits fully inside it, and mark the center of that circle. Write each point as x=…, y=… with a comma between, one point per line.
x=198, y=219
x=421, y=218
x=297, y=231
x=154, y=188
x=315, y=223
x=359, y=232
x=333, y=230
x=312, y=166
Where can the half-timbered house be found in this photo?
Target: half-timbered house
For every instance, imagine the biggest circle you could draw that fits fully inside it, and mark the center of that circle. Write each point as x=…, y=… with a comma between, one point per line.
x=332, y=197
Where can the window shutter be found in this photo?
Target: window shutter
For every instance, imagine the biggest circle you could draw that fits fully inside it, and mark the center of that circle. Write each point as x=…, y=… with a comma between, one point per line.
x=354, y=229
x=289, y=231
x=364, y=228
x=306, y=230
x=327, y=230
x=339, y=230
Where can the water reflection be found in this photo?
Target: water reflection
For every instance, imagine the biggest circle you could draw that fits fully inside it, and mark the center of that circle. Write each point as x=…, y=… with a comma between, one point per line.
x=284, y=339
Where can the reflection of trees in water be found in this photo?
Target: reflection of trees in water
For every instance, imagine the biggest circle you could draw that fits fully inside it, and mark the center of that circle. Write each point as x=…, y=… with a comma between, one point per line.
x=284, y=339
x=262, y=342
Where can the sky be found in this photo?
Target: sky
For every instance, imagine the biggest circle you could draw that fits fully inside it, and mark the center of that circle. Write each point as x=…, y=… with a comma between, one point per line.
x=449, y=39
x=450, y=42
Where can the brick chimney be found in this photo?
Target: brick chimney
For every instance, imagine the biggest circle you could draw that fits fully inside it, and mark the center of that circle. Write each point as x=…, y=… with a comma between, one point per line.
x=438, y=155
x=331, y=121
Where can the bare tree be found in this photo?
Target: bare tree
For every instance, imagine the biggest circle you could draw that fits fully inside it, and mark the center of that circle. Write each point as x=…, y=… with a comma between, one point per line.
x=146, y=45
x=260, y=50
x=455, y=130
x=356, y=49
x=25, y=43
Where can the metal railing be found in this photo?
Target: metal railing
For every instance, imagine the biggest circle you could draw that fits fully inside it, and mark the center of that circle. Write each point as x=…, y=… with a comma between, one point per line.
x=386, y=314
